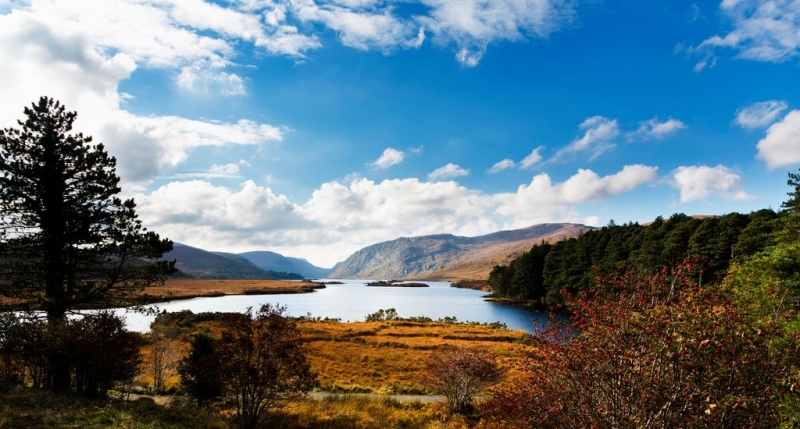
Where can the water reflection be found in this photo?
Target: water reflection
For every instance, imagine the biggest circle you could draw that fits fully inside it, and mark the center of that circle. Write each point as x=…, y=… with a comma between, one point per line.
x=353, y=301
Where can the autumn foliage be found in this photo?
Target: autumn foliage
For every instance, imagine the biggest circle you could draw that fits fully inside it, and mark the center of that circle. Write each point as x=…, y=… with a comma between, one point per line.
x=654, y=353
x=459, y=373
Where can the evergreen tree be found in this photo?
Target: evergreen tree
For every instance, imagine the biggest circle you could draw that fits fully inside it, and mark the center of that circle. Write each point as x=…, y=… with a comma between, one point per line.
x=793, y=203
x=201, y=370
x=65, y=238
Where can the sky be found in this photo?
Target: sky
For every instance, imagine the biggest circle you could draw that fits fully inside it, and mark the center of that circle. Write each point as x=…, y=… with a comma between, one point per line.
x=313, y=128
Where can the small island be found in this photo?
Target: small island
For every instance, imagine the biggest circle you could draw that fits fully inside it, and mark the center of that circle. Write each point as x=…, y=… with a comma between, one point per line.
x=396, y=283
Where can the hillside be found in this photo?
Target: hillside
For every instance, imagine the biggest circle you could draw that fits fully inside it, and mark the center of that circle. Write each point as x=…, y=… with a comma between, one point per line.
x=194, y=262
x=448, y=257
x=272, y=261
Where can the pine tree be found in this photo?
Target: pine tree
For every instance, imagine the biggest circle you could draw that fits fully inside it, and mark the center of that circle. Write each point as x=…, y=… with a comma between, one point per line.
x=66, y=239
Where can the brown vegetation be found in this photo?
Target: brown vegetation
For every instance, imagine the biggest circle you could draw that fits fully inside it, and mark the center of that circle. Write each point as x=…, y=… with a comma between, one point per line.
x=191, y=288
x=184, y=288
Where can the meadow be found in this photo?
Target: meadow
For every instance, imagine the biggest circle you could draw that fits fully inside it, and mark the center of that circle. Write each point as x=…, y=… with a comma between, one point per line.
x=362, y=367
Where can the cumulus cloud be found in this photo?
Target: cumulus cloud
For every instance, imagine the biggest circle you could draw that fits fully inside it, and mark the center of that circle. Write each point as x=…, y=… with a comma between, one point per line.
x=654, y=129
x=703, y=182
x=79, y=53
x=389, y=158
x=762, y=31
x=598, y=138
x=449, y=171
x=502, y=165
x=781, y=145
x=760, y=114
x=584, y=186
x=322, y=228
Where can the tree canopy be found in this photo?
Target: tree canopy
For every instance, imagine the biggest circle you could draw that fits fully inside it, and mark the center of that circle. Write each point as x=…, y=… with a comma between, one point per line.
x=66, y=238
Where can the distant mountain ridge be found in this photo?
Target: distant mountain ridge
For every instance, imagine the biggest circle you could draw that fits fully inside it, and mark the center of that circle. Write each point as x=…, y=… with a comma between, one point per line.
x=446, y=256
x=194, y=262
x=267, y=260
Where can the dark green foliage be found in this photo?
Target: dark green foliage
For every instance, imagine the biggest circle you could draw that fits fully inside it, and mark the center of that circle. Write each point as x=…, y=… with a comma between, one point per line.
x=201, y=371
x=102, y=352
x=548, y=273
x=793, y=203
x=65, y=238
x=757, y=235
x=95, y=349
x=381, y=315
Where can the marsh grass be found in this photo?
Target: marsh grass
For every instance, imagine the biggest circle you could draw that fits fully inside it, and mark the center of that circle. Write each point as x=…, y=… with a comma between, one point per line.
x=360, y=412
x=388, y=357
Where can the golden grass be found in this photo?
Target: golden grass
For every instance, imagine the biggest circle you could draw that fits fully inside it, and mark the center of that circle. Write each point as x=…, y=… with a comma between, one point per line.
x=189, y=287
x=385, y=357
x=389, y=357
x=176, y=288
x=348, y=411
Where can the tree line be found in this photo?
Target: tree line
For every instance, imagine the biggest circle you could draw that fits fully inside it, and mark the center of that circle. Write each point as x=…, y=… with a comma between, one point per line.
x=547, y=272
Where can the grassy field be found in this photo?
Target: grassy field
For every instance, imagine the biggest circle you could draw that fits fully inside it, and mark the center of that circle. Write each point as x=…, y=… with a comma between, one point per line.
x=382, y=357
x=182, y=288
x=388, y=357
x=377, y=357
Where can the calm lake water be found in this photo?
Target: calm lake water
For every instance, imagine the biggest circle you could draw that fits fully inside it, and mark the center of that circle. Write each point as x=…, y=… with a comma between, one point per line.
x=353, y=301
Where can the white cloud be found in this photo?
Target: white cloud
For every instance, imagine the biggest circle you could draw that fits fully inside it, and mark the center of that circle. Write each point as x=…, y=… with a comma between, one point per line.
x=323, y=228
x=502, y=165
x=217, y=171
x=528, y=162
x=545, y=201
x=201, y=77
x=449, y=171
x=598, y=137
x=656, y=129
x=358, y=28
x=584, y=186
x=188, y=210
x=781, y=145
x=703, y=182
x=470, y=57
x=473, y=24
x=760, y=114
x=79, y=54
x=762, y=31
x=389, y=158
x=532, y=159
x=144, y=145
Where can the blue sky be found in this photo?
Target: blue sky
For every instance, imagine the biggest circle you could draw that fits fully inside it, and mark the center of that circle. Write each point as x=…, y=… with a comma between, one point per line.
x=314, y=128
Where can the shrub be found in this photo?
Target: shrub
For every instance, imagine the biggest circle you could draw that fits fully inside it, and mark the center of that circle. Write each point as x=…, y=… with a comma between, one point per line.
x=264, y=362
x=459, y=373
x=653, y=353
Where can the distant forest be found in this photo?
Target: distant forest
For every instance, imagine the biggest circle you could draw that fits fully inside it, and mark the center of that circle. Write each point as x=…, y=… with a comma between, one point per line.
x=546, y=273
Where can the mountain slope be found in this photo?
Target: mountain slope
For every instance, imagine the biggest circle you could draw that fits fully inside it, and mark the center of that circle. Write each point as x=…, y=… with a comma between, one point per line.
x=447, y=256
x=272, y=261
x=200, y=263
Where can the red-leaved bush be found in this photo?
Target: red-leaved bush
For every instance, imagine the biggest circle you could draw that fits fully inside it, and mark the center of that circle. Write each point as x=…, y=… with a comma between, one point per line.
x=653, y=353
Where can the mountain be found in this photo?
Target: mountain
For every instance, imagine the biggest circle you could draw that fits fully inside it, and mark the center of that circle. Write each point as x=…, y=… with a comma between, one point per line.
x=446, y=256
x=194, y=262
x=272, y=261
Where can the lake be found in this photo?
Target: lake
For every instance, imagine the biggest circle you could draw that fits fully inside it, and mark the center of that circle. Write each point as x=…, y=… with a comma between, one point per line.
x=352, y=301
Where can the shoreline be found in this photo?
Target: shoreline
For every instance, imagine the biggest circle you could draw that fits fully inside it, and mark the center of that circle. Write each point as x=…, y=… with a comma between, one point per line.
x=182, y=288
